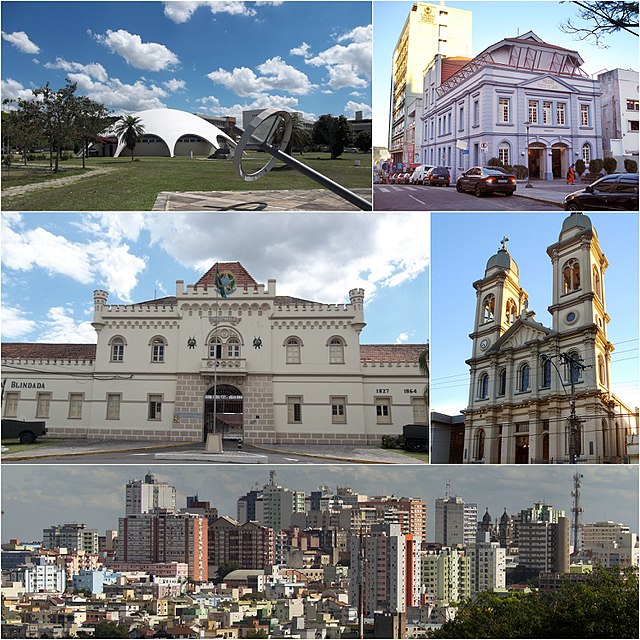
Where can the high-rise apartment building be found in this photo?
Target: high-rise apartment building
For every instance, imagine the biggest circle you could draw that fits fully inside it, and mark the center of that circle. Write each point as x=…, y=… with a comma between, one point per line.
x=72, y=536
x=487, y=562
x=456, y=522
x=251, y=545
x=428, y=30
x=144, y=496
x=445, y=575
x=543, y=546
x=277, y=504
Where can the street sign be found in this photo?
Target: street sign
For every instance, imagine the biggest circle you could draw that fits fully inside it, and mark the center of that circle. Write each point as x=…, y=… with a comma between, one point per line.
x=484, y=146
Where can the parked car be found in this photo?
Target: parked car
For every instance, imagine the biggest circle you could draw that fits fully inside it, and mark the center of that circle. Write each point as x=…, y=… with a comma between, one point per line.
x=24, y=430
x=220, y=154
x=417, y=177
x=483, y=180
x=437, y=176
x=351, y=150
x=404, y=178
x=615, y=192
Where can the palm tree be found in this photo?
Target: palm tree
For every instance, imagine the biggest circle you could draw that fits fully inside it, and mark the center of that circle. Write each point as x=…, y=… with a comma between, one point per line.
x=131, y=129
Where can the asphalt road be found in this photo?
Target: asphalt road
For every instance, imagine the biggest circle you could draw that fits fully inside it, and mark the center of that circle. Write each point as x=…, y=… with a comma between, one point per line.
x=391, y=197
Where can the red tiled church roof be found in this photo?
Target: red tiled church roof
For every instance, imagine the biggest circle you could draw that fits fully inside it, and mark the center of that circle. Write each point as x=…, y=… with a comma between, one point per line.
x=47, y=351
x=243, y=277
x=391, y=352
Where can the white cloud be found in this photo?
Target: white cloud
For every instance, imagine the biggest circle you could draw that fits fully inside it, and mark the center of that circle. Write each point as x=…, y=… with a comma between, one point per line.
x=61, y=327
x=350, y=65
x=211, y=105
x=94, y=70
x=402, y=338
x=181, y=12
x=13, y=90
x=117, y=95
x=175, y=85
x=15, y=324
x=151, y=56
x=276, y=75
x=302, y=50
x=20, y=40
x=351, y=107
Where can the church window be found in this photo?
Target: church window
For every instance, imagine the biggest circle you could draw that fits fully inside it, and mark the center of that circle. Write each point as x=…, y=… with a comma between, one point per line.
x=523, y=377
x=511, y=311
x=292, y=347
x=502, y=382
x=478, y=445
x=572, y=370
x=157, y=349
x=546, y=373
x=571, y=275
x=596, y=281
x=336, y=351
x=117, y=349
x=488, y=308
x=233, y=348
x=602, y=375
x=604, y=438
x=483, y=387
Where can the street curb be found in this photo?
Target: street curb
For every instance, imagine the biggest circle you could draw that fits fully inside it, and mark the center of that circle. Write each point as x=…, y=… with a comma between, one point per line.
x=315, y=455
x=95, y=453
x=538, y=199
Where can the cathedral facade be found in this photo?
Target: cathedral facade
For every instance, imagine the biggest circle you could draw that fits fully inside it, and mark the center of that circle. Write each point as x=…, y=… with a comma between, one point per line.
x=225, y=355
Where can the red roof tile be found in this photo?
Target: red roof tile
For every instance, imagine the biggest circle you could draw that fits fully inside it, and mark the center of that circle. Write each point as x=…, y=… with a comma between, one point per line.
x=46, y=351
x=391, y=352
x=243, y=277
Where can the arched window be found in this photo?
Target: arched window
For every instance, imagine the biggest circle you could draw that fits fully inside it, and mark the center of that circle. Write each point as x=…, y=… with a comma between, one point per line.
x=488, y=308
x=292, y=347
x=215, y=348
x=545, y=383
x=157, y=349
x=117, y=349
x=571, y=275
x=502, y=382
x=504, y=152
x=586, y=152
x=602, y=372
x=572, y=370
x=511, y=311
x=604, y=438
x=233, y=348
x=596, y=281
x=478, y=445
x=523, y=377
x=336, y=351
x=483, y=386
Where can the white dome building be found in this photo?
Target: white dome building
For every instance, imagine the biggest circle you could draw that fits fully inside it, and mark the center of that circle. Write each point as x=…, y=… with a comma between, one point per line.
x=170, y=132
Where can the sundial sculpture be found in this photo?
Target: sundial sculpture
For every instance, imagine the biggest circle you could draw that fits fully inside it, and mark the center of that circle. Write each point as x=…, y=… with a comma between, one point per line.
x=263, y=130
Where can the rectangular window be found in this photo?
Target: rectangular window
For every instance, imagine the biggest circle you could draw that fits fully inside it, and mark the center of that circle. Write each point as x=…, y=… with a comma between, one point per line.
x=158, y=352
x=476, y=113
x=546, y=113
x=584, y=115
x=383, y=410
x=75, y=405
x=155, y=407
x=461, y=118
x=294, y=409
x=560, y=113
x=419, y=407
x=633, y=125
x=633, y=105
x=113, y=406
x=533, y=111
x=503, y=109
x=117, y=352
x=338, y=409
x=11, y=404
x=43, y=402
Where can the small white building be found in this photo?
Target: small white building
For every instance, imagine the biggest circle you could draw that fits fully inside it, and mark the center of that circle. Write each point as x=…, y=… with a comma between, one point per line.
x=238, y=359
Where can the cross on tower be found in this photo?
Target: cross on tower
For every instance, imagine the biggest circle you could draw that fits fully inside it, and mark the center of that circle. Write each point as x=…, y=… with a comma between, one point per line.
x=504, y=241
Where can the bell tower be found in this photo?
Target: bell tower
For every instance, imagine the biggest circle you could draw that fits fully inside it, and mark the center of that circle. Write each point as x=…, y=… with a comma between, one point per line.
x=499, y=300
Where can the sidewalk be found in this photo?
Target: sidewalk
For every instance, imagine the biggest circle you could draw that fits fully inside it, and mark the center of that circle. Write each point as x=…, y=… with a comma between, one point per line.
x=195, y=451
x=547, y=191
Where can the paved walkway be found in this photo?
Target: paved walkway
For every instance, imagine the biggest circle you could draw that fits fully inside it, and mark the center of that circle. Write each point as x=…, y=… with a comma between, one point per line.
x=547, y=191
x=22, y=190
x=268, y=200
x=193, y=450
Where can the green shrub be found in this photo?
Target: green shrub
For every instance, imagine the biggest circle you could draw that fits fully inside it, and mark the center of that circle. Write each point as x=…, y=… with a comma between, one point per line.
x=520, y=171
x=580, y=166
x=630, y=166
x=595, y=166
x=495, y=162
x=609, y=165
x=390, y=442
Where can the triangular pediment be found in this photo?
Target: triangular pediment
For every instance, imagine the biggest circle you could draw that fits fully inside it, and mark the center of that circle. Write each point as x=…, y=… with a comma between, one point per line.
x=523, y=331
x=549, y=82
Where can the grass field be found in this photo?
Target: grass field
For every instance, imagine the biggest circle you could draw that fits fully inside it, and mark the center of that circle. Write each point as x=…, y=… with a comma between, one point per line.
x=15, y=446
x=134, y=186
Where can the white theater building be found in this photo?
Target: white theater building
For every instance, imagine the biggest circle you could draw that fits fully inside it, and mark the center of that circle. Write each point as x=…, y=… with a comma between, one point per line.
x=273, y=369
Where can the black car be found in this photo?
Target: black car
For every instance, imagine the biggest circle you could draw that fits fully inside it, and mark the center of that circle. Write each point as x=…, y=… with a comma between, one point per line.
x=24, y=430
x=615, y=192
x=483, y=180
x=436, y=176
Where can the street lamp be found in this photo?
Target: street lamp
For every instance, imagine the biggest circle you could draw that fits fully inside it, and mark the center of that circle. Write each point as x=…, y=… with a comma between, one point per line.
x=527, y=124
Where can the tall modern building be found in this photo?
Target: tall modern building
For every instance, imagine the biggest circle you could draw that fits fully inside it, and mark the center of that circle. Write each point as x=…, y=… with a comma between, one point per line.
x=72, y=536
x=487, y=565
x=278, y=504
x=144, y=496
x=251, y=545
x=428, y=30
x=445, y=575
x=456, y=522
x=543, y=546
x=611, y=544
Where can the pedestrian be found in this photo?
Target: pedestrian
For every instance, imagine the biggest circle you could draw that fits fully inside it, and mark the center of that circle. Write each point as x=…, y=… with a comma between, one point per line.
x=571, y=175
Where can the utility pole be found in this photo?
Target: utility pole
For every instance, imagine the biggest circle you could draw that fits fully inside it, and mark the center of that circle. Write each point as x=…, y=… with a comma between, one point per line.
x=361, y=568
x=577, y=511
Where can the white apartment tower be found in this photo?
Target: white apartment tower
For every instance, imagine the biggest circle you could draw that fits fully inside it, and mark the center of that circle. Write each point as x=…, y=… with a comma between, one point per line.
x=456, y=522
x=145, y=496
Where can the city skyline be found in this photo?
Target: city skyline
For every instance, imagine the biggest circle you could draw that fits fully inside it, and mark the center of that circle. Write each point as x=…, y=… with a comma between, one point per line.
x=95, y=495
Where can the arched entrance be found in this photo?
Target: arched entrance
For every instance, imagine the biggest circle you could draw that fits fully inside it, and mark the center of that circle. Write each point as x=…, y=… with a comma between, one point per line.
x=536, y=160
x=227, y=416
x=559, y=159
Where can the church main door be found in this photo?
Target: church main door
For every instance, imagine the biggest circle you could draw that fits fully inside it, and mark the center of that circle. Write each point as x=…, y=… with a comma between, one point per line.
x=522, y=449
x=223, y=412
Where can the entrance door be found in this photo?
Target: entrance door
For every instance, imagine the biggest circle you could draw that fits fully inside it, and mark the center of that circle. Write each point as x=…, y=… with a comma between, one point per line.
x=556, y=162
x=534, y=163
x=223, y=412
x=522, y=449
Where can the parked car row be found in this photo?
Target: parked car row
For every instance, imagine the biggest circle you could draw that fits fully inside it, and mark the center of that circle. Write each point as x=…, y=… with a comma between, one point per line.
x=615, y=192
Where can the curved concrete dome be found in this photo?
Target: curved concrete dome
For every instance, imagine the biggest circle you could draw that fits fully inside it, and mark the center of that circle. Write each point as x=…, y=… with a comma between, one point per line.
x=171, y=124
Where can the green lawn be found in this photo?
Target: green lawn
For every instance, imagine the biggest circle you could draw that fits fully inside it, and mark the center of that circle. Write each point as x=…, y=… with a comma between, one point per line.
x=17, y=177
x=134, y=186
x=423, y=457
x=14, y=446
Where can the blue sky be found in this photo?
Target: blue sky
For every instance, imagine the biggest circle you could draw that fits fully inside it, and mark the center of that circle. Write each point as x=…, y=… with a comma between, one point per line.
x=461, y=245
x=491, y=22
x=52, y=262
x=37, y=496
x=214, y=57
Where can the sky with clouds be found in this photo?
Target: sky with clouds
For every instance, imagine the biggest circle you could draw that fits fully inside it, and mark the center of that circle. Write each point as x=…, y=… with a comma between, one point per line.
x=37, y=496
x=51, y=263
x=216, y=57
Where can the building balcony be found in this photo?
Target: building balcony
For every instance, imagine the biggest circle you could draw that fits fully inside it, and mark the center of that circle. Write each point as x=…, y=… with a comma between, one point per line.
x=224, y=366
